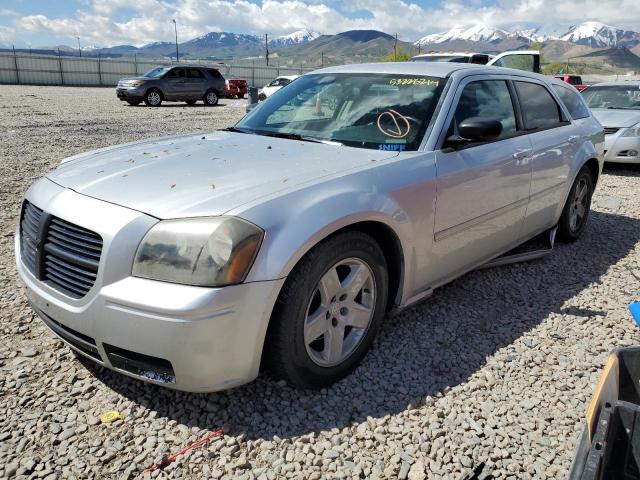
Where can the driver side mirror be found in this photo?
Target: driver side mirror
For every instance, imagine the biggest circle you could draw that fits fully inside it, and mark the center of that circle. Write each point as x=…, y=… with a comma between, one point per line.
x=475, y=130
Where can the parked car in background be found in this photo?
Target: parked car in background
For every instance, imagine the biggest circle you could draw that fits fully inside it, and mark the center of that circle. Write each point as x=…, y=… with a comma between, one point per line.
x=183, y=83
x=575, y=80
x=276, y=85
x=528, y=60
x=354, y=191
x=235, y=88
x=617, y=106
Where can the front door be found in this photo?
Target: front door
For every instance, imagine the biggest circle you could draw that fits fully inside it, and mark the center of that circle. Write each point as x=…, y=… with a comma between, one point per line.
x=175, y=84
x=482, y=189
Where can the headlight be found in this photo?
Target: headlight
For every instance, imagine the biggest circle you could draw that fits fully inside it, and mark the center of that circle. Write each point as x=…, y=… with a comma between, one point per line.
x=208, y=252
x=136, y=83
x=632, y=131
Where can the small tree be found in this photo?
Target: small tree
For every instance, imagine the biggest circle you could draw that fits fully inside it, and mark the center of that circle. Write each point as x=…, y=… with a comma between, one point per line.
x=401, y=56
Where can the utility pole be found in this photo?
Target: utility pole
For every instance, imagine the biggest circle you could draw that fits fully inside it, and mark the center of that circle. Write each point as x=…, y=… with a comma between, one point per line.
x=395, y=49
x=175, y=27
x=79, y=49
x=266, y=47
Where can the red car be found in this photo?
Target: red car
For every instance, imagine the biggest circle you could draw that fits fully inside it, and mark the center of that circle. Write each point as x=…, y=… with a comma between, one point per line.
x=575, y=80
x=235, y=87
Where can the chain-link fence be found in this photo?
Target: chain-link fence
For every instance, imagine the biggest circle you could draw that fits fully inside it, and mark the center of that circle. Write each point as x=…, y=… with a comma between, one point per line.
x=38, y=69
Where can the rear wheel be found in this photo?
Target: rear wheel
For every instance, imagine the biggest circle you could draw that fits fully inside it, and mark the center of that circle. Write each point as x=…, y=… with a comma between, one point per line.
x=576, y=211
x=328, y=312
x=153, y=98
x=210, y=98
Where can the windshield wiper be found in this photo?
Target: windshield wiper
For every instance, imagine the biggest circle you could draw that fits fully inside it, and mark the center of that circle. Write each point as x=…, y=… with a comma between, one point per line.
x=296, y=136
x=623, y=108
x=236, y=130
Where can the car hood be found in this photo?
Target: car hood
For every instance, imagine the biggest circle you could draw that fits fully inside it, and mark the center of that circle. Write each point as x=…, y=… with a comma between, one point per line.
x=616, y=118
x=200, y=175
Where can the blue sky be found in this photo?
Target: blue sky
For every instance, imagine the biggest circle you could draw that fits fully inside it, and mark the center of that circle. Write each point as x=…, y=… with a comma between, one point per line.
x=113, y=22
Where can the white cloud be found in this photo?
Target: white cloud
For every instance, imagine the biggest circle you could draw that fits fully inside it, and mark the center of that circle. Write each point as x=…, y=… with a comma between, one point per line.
x=150, y=20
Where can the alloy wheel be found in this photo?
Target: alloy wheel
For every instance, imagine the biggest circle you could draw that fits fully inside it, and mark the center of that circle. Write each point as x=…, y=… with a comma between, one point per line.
x=578, y=206
x=339, y=312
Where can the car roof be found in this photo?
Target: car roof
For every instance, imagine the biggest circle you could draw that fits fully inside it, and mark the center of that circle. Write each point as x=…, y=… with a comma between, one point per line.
x=433, y=69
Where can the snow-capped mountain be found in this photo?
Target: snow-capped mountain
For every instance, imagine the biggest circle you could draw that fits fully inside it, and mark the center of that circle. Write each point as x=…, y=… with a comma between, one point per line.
x=294, y=38
x=477, y=33
x=599, y=35
x=593, y=34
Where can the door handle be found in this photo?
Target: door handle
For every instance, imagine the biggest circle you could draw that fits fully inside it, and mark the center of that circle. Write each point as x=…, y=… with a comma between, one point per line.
x=520, y=154
x=573, y=139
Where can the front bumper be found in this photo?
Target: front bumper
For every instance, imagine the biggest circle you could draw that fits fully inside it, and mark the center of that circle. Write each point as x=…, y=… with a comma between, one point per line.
x=617, y=148
x=130, y=94
x=184, y=337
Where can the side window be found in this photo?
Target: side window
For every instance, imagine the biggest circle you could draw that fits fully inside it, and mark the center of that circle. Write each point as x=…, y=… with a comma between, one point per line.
x=194, y=73
x=539, y=109
x=524, y=62
x=176, y=73
x=488, y=99
x=214, y=73
x=573, y=101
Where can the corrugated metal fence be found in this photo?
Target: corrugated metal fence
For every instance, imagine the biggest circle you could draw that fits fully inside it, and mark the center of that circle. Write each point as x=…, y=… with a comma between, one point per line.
x=27, y=69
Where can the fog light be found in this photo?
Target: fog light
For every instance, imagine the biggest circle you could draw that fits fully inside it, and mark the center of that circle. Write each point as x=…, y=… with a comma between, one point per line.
x=632, y=153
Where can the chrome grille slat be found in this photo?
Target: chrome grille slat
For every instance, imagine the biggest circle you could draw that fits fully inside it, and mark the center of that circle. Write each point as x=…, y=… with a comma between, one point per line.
x=63, y=255
x=610, y=130
x=90, y=250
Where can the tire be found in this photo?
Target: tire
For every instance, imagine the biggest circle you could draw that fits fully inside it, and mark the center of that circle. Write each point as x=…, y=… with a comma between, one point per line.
x=190, y=102
x=304, y=355
x=576, y=211
x=153, y=98
x=210, y=98
x=134, y=103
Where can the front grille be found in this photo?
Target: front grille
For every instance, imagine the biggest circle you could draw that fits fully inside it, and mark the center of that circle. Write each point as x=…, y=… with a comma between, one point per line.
x=610, y=130
x=29, y=235
x=61, y=254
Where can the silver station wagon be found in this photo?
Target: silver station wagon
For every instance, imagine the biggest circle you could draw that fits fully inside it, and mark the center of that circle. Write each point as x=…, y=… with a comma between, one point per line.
x=282, y=242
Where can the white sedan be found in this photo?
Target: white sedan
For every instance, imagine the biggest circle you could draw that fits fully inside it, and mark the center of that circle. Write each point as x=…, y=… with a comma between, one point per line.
x=616, y=105
x=276, y=85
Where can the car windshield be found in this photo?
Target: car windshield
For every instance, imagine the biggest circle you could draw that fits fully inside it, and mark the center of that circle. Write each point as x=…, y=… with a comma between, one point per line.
x=613, y=96
x=157, y=72
x=375, y=111
x=442, y=58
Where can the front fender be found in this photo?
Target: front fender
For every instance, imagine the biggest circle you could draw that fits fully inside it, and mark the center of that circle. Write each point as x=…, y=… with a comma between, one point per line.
x=296, y=222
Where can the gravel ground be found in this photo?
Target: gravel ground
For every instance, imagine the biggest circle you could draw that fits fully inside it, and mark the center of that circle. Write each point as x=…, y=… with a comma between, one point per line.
x=496, y=368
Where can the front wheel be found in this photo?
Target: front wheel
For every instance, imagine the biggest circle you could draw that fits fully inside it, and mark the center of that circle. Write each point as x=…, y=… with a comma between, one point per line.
x=328, y=312
x=153, y=98
x=576, y=211
x=210, y=98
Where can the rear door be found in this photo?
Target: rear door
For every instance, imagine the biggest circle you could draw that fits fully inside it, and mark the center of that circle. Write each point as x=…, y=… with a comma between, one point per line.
x=482, y=188
x=195, y=83
x=175, y=87
x=527, y=60
x=555, y=140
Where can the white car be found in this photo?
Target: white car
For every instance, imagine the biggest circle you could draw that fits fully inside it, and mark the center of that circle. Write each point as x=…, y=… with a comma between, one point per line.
x=616, y=105
x=528, y=60
x=276, y=85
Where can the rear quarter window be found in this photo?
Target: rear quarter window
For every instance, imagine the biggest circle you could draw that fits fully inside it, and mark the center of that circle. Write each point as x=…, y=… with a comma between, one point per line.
x=573, y=101
x=214, y=73
x=539, y=109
